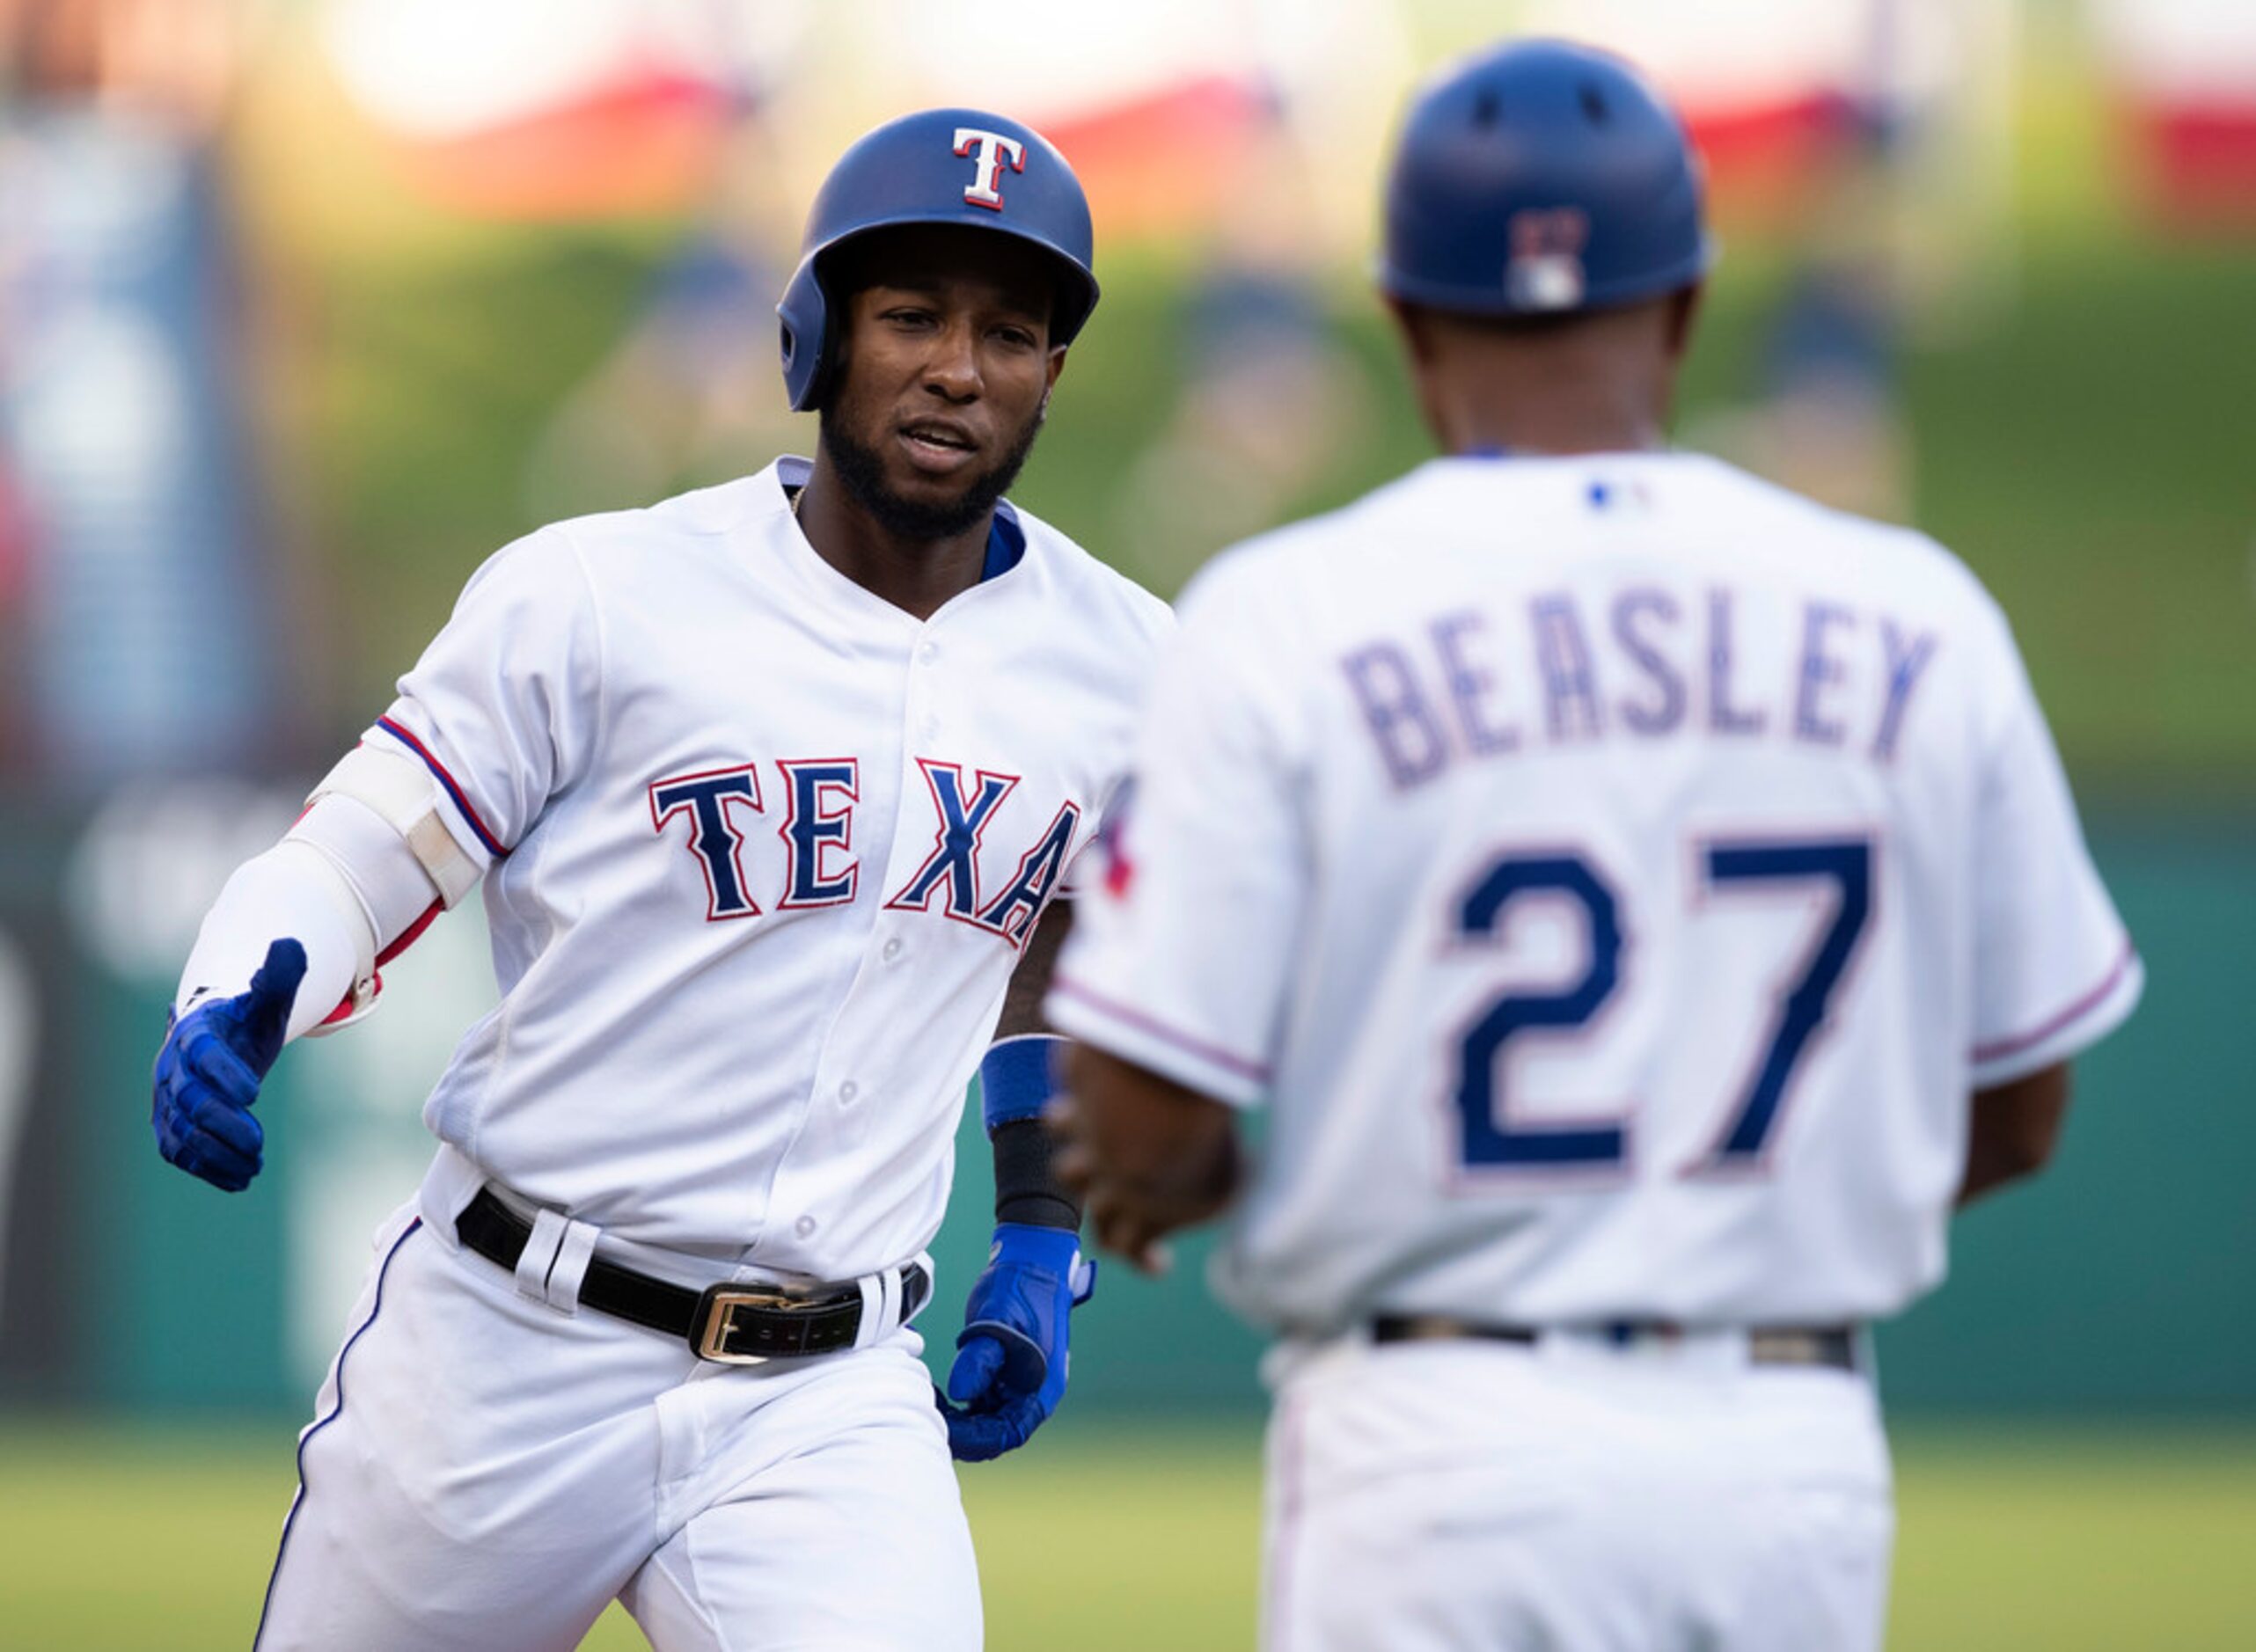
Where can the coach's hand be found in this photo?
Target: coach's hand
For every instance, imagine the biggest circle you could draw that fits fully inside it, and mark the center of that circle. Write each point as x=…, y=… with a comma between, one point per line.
x=210, y=1069
x=1010, y=1362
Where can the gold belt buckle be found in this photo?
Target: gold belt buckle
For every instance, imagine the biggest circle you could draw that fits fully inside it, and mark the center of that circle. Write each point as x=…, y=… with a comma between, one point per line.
x=1786, y=1346
x=718, y=1314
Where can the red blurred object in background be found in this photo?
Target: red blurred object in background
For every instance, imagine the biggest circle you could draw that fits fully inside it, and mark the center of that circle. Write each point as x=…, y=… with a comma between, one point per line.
x=1165, y=159
x=651, y=144
x=1767, y=159
x=2183, y=75
x=2195, y=162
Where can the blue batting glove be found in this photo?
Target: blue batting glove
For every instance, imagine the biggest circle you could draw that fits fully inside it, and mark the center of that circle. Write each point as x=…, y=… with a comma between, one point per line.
x=1010, y=1357
x=210, y=1069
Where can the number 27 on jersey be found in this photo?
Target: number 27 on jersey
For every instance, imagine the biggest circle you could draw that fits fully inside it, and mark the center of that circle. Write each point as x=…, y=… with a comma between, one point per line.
x=1490, y=1139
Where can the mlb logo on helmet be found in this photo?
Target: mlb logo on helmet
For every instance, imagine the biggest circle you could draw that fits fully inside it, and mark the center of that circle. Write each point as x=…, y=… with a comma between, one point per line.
x=1543, y=270
x=995, y=151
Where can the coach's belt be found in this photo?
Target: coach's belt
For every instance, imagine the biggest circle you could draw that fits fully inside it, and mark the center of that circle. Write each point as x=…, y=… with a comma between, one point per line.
x=730, y=1324
x=1831, y=1346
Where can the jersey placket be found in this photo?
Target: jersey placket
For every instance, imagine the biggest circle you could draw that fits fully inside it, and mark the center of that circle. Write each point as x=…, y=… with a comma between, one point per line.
x=821, y=1169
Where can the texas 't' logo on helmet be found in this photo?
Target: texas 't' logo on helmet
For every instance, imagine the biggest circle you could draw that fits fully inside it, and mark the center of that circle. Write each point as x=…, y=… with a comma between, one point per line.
x=994, y=150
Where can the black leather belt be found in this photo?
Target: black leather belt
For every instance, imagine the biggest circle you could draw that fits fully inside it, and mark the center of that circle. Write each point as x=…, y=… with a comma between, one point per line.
x=731, y=1325
x=1830, y=1346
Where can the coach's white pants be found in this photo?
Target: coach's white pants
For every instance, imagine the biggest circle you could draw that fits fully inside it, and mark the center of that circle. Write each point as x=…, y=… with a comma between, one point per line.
x=486, y=1474
x=1575, y=1497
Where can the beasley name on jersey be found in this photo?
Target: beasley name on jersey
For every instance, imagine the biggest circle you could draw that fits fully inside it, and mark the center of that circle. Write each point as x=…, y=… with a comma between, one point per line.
x=763, y=850
x=1614, y=873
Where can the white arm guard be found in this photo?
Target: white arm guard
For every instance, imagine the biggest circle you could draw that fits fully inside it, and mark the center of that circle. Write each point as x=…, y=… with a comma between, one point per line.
x=290, y=891
x=360, y=867
x=402, y=794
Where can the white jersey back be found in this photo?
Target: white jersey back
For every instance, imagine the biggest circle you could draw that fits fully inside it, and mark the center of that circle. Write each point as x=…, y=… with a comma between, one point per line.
x=764, y=849
x=1616, y=872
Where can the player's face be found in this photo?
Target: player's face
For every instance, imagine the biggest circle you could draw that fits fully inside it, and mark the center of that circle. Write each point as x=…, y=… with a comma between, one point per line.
x=946, y=372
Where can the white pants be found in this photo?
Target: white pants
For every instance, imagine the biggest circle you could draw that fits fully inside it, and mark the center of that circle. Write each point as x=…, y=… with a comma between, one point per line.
x=1480, y=1496
x=486, y=1472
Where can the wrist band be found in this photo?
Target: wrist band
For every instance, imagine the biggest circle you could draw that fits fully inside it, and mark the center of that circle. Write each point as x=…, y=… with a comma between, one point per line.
x=1015, y=1078
x=1015, y=1084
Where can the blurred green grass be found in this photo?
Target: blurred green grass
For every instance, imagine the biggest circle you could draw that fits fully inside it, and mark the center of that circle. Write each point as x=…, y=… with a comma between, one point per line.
x=129, y=1540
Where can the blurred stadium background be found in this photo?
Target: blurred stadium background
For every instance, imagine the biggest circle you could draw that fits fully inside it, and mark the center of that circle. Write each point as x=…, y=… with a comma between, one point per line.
x=307, y=305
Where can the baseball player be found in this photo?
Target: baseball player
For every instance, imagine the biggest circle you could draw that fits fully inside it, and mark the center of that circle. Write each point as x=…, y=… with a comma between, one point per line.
x=769, y=787
x=1646, y=904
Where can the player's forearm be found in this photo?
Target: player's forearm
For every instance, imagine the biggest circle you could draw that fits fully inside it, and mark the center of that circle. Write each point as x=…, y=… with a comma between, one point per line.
x=288, y=891
x=1030, y=983
x=2013, y=1130
x=1990, y=1168
x=1028, y=1190
x=342, y=884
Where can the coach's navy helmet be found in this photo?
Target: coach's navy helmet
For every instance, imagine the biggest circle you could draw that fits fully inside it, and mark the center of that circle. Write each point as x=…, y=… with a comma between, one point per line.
x=1540, y=177
x=958, y=166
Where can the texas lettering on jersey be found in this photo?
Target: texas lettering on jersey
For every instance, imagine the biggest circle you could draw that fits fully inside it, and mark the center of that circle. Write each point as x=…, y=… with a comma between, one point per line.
x=715, y=809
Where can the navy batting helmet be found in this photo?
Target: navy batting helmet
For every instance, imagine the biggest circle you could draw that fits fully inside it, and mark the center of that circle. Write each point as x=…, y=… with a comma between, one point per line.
x=941, y=166
x=1538, y=178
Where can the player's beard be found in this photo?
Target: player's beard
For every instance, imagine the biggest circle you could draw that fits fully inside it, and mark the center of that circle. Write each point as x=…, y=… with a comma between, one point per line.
x=862, y=469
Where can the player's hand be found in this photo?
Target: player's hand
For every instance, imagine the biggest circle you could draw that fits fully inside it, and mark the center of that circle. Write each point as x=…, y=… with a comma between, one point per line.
x=1128, y=1220
x=1010, y=1364
x=208, y=1072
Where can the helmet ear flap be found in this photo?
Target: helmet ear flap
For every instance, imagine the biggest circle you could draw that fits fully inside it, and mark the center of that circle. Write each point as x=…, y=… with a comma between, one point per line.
x=803, y=330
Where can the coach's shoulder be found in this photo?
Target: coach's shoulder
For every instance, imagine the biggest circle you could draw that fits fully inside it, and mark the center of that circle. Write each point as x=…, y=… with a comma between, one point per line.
x=1274, y=578
x=1921, y=569
x=1903, y=556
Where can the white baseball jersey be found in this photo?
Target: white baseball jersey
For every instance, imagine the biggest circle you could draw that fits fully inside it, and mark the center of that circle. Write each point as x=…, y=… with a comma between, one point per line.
x=763, y=850
x=1615, y=873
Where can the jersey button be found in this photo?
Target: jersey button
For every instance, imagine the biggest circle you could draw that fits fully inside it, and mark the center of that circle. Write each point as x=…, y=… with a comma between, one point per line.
x=927, y=652
x=847, y=1091
x=804, y=1227
x=890, y=950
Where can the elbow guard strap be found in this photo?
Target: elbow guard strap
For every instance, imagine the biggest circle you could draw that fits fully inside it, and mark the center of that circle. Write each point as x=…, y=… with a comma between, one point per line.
x=1015, y=1086
x=405, y=797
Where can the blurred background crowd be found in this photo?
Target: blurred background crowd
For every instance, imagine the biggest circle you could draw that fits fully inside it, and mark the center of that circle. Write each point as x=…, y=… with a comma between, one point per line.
x=308, y=305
